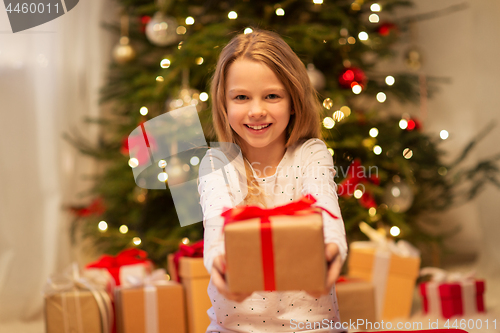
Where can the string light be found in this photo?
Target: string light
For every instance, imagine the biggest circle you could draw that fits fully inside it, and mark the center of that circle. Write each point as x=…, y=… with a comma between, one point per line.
x=395, y=231
x=331, y=151
x=407, y=153
x=162, y=163
x=248, y=31
x=136, y=241
x=186, y=167
x=181, y=30
x=375, y=7
x=338, y=115
x=403, y=124
x=194, y=160
x=377, y=150
x=328, y=122
x=363, y=36
x=165, y=63
x=185, y=241
x=133, y=162
x=189, y=20
x=373, y=132
x=318, y=2
x=143, y=111
x=358, y=194
x=232, y=15
x=199, y=60
x=373, y=18
x=357, y=89
x=103, y=226
x=203, y=97
x=280, y=11
x=346, y=110
x=162, y=176
x=389, y=80
x=442, y=171
x=351, y=40
x=372, y=211
x=327, y=103
x=395, y=191
x=381, y=97
x=444, y=134
x=160, y=78
x=123, y=229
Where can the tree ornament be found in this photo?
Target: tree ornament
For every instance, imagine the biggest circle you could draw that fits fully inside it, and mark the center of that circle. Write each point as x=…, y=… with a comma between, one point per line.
x=398, y=195
x=352, y=76
x=187, y=96
x=124, y=52
x=413, y=58
x=144, y=21
x=386, y=28
x=317, y=78
x=160, y=30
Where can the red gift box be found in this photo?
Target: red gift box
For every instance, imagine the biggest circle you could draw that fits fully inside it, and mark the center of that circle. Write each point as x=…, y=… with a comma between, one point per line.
x=453, y=298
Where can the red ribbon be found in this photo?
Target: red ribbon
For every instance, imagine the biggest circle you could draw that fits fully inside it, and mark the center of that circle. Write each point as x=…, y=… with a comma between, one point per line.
x=304, y=206
x=194, y=250
x=357, y=175
x=114, y=263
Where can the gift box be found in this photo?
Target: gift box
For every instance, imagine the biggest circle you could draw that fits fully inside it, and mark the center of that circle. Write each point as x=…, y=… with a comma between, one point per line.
x=152, y=305
x=195, y=279
x=275, y=249
x=393, y=269
x=74, y=304
x=451, y=295
x=129, y=262
x=356, y=300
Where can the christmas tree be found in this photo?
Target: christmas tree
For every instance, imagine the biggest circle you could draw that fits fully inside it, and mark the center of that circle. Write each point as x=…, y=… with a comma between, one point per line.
x=389, y=171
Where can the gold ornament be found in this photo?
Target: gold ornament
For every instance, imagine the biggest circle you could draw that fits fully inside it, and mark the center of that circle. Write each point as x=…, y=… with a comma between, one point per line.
x=413, y=59
x=123, y=52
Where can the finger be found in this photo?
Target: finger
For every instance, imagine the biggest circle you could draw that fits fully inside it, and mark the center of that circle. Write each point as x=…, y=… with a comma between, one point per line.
x=333, y=272
x=331, y=251
x=219, y=281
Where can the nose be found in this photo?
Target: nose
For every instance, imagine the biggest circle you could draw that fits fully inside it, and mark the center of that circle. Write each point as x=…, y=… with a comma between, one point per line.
x=257, y=109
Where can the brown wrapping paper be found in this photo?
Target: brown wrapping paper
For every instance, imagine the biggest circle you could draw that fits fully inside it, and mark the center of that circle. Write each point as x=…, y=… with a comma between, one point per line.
x=356, y=300
x=195, y=279
x=299, y=254
x=130, y=309
x=401, y=278
x=72, y=311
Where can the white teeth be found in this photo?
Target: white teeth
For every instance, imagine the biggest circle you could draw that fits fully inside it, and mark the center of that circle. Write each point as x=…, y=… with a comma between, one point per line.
x=258, y=127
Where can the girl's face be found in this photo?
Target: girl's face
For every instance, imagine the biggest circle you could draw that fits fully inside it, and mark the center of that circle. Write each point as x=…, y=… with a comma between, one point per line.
x=258, y=105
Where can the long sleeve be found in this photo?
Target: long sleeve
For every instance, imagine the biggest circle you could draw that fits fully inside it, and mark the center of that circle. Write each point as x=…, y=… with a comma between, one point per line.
x=219, y=190
x=318, y=179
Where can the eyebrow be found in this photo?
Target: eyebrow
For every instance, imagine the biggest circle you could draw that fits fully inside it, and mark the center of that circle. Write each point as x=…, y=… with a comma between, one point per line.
x=236, y=90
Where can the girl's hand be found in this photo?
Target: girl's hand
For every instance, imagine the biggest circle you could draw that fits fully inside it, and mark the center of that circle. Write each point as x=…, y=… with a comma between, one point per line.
x=334, y=266
x=219, y=280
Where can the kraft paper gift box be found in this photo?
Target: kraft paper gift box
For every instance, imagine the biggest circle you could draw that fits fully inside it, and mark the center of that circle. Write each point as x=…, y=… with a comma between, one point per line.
x=448, y=295
x=195, y=279
x=155, y=306
x=393, y=269
x=356, y=300
x=74, y=304
x=280, y=248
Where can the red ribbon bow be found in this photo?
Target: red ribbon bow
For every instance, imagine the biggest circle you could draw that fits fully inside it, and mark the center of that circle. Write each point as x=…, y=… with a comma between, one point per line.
x=357, y=175
x=113, y=263
x=303, y=206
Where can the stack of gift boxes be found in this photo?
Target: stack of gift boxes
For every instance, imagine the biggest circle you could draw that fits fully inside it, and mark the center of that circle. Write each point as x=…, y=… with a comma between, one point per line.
x=280, y=249
x=123, y=294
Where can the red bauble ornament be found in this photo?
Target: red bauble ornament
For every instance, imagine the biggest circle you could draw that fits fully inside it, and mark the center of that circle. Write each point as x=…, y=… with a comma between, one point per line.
x=144, y=20
x=352, y=76
x=385, y=29
x=96, y=207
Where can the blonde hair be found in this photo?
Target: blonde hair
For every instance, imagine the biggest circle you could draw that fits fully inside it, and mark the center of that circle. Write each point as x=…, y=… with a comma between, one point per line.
x=270, y=49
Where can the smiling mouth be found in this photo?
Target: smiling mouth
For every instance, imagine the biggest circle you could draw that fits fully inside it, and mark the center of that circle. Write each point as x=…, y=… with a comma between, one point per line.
x=258, y=127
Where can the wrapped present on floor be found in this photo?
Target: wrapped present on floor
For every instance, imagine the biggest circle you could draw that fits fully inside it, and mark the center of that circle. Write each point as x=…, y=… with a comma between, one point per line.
x=150, y=304
x=72, y=303
x=448, y=295
x=356, y=300
x=130, y=262
x=186, y=266
x=279, y=248
x=393, y=269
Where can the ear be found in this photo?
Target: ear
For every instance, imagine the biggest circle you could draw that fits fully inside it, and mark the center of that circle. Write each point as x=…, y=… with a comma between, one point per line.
x=292, y=112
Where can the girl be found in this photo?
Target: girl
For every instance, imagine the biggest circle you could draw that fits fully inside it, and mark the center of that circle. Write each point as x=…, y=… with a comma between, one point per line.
x=263, y=101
